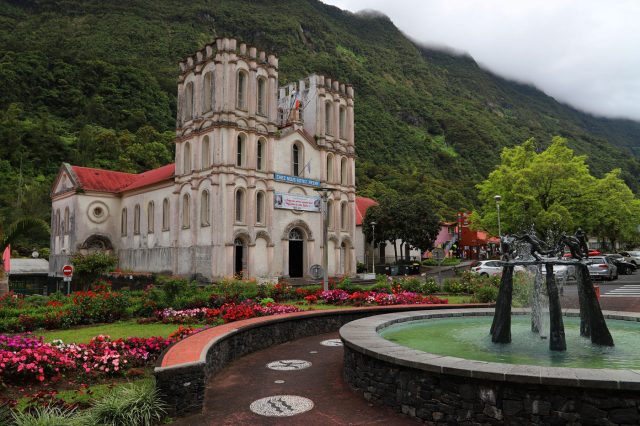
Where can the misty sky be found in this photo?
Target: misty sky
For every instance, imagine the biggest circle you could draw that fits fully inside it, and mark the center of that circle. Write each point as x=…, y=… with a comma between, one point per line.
x=582, y=52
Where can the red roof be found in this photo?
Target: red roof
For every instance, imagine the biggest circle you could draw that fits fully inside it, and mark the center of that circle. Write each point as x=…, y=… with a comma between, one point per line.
x=109, y=181
x=153, y=176
x=362, y=204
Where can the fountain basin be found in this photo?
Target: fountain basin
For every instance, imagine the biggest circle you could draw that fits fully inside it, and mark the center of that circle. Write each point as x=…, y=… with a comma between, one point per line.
x=441, y=389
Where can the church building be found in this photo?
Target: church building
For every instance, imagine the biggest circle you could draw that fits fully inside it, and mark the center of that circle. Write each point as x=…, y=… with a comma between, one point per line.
x=241, y=198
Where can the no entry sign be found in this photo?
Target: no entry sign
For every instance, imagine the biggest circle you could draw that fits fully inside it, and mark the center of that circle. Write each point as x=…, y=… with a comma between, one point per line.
x=67, y=270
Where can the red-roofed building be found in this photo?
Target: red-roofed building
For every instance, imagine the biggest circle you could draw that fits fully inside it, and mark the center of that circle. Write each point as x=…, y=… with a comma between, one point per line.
x=241, y=197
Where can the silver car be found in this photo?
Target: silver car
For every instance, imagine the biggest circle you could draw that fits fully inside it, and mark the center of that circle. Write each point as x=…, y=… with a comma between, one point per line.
x=601, y=267
x=631, y=257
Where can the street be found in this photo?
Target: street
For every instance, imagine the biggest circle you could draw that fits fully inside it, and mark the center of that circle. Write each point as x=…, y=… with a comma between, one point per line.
x=622, y=294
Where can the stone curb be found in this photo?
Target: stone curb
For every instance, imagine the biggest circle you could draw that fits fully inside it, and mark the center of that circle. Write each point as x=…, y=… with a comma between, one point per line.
x=362, y=336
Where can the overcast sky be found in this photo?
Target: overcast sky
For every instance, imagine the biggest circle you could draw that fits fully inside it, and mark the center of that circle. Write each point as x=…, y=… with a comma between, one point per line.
x=582, y=52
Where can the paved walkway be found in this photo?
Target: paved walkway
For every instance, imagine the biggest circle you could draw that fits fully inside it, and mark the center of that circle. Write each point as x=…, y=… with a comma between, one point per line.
x=230, y=393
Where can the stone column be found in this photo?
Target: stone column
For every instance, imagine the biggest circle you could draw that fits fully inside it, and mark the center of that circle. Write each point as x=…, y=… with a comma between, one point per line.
x=285, y=258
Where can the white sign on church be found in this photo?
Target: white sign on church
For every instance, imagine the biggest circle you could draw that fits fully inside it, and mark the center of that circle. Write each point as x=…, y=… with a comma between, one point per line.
x=288, y=201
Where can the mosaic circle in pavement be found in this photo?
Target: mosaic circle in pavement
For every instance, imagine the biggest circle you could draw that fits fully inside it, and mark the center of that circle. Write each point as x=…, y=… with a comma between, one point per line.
x=332, y=342
x=289, y=364
x=281, y=405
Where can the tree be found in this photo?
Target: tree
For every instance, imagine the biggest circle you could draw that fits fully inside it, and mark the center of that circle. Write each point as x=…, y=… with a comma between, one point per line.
x=13, y=232
x=89, y=266
x=408, y=219
x=553, y=191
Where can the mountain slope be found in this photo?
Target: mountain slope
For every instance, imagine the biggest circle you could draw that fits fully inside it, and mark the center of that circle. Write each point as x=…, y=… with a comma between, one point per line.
x=93, y=82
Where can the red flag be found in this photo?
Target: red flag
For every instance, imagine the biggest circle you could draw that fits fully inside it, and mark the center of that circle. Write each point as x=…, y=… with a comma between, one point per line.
x=6, y=258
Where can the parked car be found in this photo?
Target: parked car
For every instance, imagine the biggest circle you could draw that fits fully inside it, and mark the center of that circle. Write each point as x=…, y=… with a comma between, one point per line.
x=562, y=272
x=490, y=267
x=624, y=267
x=631, y=256
x=601, y=267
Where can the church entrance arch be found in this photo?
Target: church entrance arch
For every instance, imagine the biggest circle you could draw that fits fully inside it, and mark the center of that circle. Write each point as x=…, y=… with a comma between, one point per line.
x=239, y=257
x=296, y=253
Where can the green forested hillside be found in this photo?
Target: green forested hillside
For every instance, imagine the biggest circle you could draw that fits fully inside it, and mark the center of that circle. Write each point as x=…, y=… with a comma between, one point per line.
x=94, y=83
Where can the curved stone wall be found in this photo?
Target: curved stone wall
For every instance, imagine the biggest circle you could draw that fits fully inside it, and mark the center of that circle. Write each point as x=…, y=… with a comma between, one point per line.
x=184, y=368
x=448, y=390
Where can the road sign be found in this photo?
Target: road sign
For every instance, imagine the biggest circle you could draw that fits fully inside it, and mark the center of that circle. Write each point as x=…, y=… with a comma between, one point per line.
x=66, y=279
x=438, y=254
x=67, y=270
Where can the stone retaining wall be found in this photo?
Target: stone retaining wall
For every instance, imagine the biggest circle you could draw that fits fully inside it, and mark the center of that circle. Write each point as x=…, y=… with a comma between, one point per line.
x=182, y=386
x=445, y=390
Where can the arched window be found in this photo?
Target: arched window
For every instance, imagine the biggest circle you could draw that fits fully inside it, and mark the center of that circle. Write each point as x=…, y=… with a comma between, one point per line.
x=262, y=96
x=240, y=206
x=343, y=123
x=186, y=211
x=260, y=154
x=240, y=148
x=329, y=168
x=207, y=95
x=327, y=118
x=343, y=171
x=136, y=220
x=188, y=102
x=206, y=153
x=186, y=158
x=260, y=207
x=151, y=218
x=344, y=218
x=296, y=159
x=166, y=215
x=243, y=79
x=67, y=221
x=57, y=223
x=330, y=214
x=204, y=209
x=123, y=223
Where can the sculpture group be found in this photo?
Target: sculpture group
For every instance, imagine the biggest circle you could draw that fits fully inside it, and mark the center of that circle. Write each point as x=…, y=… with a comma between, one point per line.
x=592, y=323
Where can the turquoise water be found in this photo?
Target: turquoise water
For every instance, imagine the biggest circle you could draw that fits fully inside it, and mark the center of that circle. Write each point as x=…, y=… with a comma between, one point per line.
x=468, y=337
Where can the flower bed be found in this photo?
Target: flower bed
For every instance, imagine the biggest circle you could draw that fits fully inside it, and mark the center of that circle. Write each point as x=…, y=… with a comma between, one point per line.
x=25, y=358
x=226, y=313
x=360, y=298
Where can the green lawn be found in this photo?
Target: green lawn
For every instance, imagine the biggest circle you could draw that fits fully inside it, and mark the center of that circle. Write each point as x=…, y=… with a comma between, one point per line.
x=455, y=299
x=116, y=330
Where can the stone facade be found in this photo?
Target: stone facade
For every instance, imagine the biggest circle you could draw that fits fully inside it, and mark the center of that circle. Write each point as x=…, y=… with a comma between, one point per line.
x=242, y=144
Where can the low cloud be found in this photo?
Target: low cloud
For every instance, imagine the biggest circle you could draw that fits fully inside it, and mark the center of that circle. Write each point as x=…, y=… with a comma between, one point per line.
x=582, y=52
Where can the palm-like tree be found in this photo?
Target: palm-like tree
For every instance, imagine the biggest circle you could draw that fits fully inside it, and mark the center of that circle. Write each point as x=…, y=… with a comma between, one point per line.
x=13, y=232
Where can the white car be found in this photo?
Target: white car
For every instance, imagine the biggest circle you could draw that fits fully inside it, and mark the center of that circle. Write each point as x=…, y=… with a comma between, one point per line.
x=490, y=267
x=631, y=257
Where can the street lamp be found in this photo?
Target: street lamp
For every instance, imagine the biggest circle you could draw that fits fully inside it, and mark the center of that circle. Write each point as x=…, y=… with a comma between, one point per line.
x=498, y=198
x=373, y=247
x=324, y=195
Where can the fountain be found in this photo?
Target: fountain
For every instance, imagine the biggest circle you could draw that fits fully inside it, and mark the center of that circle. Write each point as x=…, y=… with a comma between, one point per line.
x=592, y=321
x=460, y=374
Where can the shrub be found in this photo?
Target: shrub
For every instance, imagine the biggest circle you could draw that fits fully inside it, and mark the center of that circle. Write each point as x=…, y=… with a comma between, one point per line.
x=430, y=286
x=45, y=416
x=235, y=290
x=486, y=294
x=136, y=404
x=345, y=284
x=172, y=287
x=453, y=286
